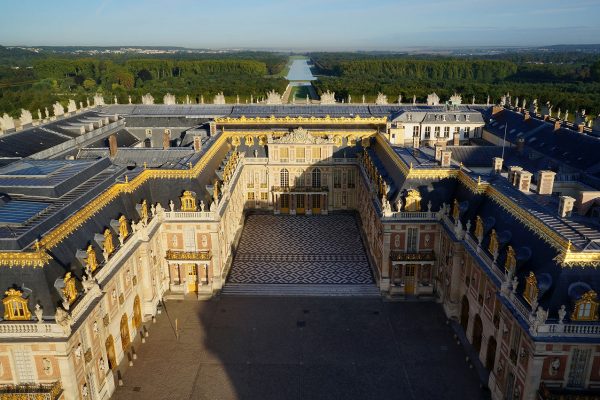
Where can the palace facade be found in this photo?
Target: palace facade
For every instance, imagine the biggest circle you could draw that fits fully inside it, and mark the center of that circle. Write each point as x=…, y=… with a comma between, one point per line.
x=115, y=208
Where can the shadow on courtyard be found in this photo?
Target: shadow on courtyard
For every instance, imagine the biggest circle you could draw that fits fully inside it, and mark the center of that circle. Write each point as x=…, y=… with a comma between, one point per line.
x=300, y=348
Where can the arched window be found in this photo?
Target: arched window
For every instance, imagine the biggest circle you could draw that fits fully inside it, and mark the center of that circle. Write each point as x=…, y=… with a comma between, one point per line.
x=284, y=178
x=316, y=178
x=586, y=308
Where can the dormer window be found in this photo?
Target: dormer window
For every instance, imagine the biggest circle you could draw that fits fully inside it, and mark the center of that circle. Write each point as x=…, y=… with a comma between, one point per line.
x=467, y=117
x=586, y=308
x=188, y=201
x=15, y=306
x=531, y=288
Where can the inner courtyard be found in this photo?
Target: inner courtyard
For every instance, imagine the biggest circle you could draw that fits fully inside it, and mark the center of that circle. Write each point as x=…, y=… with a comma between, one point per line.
x=235, y=347
x=322, y=249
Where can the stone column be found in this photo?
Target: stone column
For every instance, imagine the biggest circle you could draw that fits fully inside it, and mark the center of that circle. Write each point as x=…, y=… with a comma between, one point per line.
x=532, y=382
x=387, y=276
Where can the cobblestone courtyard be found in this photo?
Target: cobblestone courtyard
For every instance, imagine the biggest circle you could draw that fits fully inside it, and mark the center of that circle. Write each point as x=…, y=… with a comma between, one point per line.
x=299, y=348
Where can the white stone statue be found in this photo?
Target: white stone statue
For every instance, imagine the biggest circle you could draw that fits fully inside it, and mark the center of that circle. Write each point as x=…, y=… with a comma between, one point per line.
x=515, y=283
x=39, y=313
x=567, y=115
x=169, y=99
x=98, y=100
x=63, y=319
x=172, y=205
x=81, y=105
x=71, y=106
x=87, y=100
x=433, y=99
x=554, y=366
x=487, y=103
x=213, y=206
x=187, y=99
x=202, y=205
x=58, y=109
x=349, y=99
x=202, y=99
x=26, y=117
x=381, y=99
x=159, y=208
x=517, y=102
x=129, y=99
x=218, y=99
x=153, y=210
x=39, y=114
x=273, y=97
x=363, y=99
x=328, y=98
x=147, y=99
x=562, y=314
x=414, y=99
x=7, y=122
x=115, y=100
x=456, y=99
x=473, y=100
x=558, y=114
x=399, y=99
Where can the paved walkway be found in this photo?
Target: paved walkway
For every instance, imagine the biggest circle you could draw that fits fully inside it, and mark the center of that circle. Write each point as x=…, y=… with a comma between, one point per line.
x=300, y=348
x=323, y=249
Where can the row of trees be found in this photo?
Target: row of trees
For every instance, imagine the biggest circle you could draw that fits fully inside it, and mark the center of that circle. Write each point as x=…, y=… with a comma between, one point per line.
x=51, y=79
x=572, y=86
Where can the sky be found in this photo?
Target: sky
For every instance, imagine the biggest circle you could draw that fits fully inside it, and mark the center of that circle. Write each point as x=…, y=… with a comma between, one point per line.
x=299, y=24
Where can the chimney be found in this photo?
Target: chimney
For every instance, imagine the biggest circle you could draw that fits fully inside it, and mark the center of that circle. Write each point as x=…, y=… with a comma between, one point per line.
x=112, y=145
x=565, y=206
x=523, y=181
x=545, y=181
x=446, y=158
x=438, y=150
x=512, y=174
x=497, y=164
x=580, y=127
x=520, y=145
x=166, y=139
x=212, y=128
x=557, y=125
x=197, y=143
x=497, y=110
x=416, y=142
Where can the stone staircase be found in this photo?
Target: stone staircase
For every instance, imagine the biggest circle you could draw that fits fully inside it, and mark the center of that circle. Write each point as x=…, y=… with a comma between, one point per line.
x=319, y=290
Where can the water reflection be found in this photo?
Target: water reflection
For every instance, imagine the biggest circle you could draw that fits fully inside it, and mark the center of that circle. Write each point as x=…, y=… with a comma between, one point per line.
x=300, y=71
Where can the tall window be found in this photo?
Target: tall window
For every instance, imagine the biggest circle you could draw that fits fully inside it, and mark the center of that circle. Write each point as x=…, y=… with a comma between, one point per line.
x=351, y=178
x=316, y=178
x=299, y=154
x=284, y=178
x=446, y=131
x=437, y=131
x=427, y=132
x=284, y=154
x=316, y=153
x=263, y=178
x=250, y=179
x=411, y=243
x=299, y=181
x=467, y=132
x=456, y=131
x=416, y=131
x=337, y=178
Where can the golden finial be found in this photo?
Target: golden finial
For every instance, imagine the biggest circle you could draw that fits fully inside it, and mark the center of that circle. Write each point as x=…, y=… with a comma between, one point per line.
x=145, y=165
x=190, y=164
x=37, y=245
x=479, y=180
x=411, y=166
x=126, y=179
x=569, y=244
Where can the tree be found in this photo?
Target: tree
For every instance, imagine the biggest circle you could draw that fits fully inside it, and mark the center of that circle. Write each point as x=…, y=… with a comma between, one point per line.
x=89, y=84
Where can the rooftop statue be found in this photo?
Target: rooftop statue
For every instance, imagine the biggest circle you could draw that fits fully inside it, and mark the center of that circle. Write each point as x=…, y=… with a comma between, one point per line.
x=381, y=99
x=6, y=122
x=433, y=99
x=219, y=98
x=169, y=99
x=98, y=99
x=72, y=106
x=26, y=117
x=147, y=99
x=455, y=99
x=58, y=109
x=328, y=98
x=273, y=97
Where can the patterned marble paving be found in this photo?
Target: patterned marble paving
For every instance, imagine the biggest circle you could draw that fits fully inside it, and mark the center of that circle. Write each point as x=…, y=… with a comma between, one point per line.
x=324, y=249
